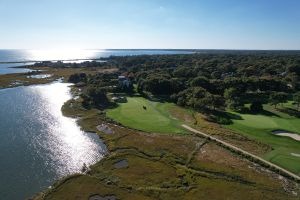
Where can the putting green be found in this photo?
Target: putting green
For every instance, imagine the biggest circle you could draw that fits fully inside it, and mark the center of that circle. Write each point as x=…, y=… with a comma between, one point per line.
x=260, y=127
x=145, y=115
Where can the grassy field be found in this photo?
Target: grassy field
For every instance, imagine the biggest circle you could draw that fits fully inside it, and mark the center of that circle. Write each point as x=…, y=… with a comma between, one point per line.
x=157, y=117
x=260, y=127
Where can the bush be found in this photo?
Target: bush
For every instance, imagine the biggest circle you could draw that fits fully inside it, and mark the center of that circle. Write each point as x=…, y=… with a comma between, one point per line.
x=76, y=78
x=220, y=119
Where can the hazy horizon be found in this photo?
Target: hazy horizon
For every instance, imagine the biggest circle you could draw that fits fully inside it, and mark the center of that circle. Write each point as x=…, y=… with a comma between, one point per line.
x=179, y=49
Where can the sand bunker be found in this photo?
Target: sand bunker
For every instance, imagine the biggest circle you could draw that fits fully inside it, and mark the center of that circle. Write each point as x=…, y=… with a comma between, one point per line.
x=295, y=154
x=294, y=136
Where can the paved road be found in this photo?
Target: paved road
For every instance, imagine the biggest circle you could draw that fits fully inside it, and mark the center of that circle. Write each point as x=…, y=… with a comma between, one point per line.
x=284, y=171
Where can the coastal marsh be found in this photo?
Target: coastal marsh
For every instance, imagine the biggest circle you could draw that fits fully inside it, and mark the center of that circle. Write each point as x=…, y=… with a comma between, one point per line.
x=18, y=79
x=167, y=166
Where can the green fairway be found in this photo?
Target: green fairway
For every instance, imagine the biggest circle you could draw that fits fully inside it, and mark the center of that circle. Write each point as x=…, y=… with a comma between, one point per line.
x=269, y=122
x=260, y=127
x=155, y=118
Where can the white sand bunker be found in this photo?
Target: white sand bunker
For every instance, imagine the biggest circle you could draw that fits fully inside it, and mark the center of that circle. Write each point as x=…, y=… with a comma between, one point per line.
x=284, y=133
x=295, y=154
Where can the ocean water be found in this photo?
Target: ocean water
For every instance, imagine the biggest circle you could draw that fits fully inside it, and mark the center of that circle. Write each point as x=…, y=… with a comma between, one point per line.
x=44, y=55
x=8, y=68
x=38, y=145
x=8, y=57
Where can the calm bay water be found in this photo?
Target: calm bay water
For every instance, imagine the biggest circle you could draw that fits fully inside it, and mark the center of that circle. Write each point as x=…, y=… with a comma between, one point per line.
x=38, y=145
x=44, y=55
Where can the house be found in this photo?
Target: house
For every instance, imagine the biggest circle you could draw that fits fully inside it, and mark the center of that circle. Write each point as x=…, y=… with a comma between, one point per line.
x=119, y=99
x=122, y=78
x=124, y=81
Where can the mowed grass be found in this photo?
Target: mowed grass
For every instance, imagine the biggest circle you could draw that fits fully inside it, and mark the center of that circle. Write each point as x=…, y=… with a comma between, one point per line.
x=260, y=127
x=156, y=117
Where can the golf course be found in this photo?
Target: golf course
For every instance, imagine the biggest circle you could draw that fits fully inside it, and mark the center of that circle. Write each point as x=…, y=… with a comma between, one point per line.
x=150, y=116
x=260, y=126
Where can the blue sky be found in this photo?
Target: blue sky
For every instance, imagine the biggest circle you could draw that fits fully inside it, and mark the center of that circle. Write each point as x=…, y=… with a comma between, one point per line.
x=99, y=24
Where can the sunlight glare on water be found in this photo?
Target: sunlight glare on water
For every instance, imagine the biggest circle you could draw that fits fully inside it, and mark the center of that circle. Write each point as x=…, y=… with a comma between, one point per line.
x=63, y=54
x=38, y=145
x=68, y=145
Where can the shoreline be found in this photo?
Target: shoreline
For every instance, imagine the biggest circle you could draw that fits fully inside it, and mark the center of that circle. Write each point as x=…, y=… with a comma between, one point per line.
x=21, y=79
x=50, y=145
x=88, y=120
x=115, y=151
x=41, y=61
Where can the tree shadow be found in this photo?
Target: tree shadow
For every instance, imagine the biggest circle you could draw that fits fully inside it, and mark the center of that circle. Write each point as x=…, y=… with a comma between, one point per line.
x=268, y=113
x=233, y=116
x=160, y=98
x=261, y=112
x=221, y=117
x=290, y=111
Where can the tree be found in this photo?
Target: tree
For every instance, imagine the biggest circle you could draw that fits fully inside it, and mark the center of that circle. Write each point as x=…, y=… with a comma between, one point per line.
x=233, y=99
x=256, y=107
x=213, y=101
x=294, y=69
x=161, y=85
x=277, y=98
x=76, y=78
x=94, y=96
x=296, y=98
x=200, y=81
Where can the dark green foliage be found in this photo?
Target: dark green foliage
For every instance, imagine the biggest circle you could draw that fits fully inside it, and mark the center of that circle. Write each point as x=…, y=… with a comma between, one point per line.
x=200, y=81
x=220, y=119
x=296, y=98
x=295, y=69
x=206, y=81
x=94, y=96
x=233, y=99
x=278, y=97
x=160, y=85
x=256, y=107
x=237, y=77
x=76, y=78
x=199, y=99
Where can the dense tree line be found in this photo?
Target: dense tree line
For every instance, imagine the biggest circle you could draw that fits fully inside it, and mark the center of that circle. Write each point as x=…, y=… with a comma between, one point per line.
x=214, y=81
x=205, y=82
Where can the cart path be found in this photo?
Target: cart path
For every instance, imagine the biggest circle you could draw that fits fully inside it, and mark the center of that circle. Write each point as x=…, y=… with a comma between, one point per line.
x=257, y=158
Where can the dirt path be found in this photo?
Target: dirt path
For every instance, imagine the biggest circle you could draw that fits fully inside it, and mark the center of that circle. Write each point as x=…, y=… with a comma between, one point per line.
x=255, y=158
